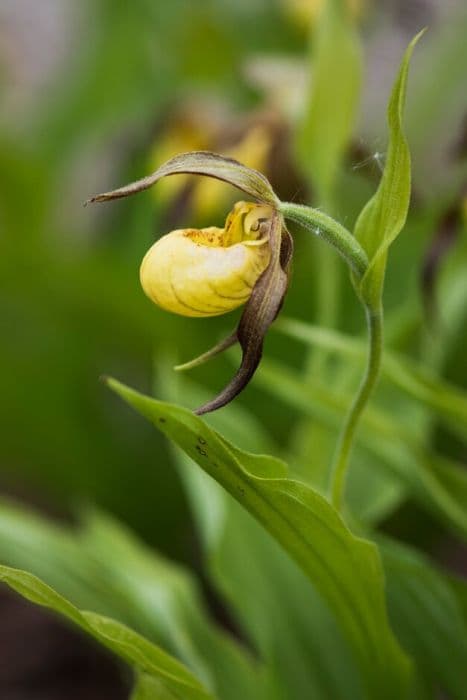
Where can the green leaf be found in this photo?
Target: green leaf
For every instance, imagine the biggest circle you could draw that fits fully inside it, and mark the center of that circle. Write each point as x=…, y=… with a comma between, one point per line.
x=345, y=569
x=51, y=553
x=436, y=483
x=289, y=621
x=336, y=67
x=128, y=645
x=323, y=136
x=150, y=594
x=427, y=617
x=166, y=600
x=383, y=217
x=149, y=688
x=446, y=400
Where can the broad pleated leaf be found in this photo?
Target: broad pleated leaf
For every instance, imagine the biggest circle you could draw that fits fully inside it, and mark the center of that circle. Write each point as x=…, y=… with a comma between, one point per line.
x=345, y=569
x=289, y=621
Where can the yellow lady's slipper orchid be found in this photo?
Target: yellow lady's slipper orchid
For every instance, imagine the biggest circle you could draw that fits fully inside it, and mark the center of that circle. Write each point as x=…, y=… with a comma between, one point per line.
x=207, y=272
x=210, y=271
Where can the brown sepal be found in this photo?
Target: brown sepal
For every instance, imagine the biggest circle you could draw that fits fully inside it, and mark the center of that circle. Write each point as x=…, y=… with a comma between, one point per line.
x=262, y=308
x=206, y=163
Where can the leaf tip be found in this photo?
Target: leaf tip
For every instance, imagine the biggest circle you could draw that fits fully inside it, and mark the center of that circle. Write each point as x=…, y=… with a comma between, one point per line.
x=420, y=33
x=113, y=384
x=417, y=38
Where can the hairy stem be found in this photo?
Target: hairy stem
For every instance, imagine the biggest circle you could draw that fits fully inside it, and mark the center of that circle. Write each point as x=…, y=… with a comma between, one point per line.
x=331, y=231
x=344, y=446
x=350, y=249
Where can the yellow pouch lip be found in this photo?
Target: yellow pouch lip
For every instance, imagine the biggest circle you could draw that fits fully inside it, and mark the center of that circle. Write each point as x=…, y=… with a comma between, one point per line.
x=197, y=272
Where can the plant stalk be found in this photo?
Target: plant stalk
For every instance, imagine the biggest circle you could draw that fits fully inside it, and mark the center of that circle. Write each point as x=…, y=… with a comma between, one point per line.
x=331, y=231
x=350, y=249
x=374, y=317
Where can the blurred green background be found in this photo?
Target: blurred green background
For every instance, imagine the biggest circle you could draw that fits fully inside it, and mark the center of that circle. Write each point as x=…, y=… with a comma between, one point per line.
x=95, y=94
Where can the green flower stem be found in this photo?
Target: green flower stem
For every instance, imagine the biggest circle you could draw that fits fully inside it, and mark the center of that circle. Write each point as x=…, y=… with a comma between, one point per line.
x=344, y=446
x=349, y=248
x=331, y=231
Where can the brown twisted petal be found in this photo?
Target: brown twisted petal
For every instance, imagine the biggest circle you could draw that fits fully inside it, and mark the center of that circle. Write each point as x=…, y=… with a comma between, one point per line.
x=202, y=163
x=261, y=310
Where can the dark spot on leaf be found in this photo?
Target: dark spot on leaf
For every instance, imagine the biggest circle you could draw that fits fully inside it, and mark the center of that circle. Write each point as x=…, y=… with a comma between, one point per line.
x=201, y=441
x=162, y=420
x=201, y=451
